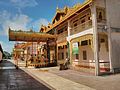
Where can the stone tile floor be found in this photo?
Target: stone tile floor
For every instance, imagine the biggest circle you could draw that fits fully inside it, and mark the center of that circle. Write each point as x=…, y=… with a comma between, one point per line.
x=13, y=79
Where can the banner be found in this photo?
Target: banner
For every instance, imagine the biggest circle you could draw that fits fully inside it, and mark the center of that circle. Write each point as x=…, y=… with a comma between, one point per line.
x=75, y=48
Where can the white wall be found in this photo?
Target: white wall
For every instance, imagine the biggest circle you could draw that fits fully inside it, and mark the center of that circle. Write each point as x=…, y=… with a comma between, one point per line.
x=113, y=12
x=115, y=50
x=90, y=55
x=113, y=19
x=103, y=56
x=100, y=3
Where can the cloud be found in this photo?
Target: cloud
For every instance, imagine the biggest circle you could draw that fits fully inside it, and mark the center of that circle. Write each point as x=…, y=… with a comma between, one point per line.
x=42, y=21
x=7, y=46
x=24, y=3
x=17, y=22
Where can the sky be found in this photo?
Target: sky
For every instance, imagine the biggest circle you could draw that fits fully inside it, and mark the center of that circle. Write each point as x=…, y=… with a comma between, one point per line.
x=26, y=15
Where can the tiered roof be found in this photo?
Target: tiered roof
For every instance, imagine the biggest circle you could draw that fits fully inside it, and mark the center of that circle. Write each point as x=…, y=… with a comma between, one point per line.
x=65, y=13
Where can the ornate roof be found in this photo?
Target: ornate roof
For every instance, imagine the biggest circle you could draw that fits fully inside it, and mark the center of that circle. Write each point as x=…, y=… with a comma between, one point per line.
x=29, y=36
x=68, y=12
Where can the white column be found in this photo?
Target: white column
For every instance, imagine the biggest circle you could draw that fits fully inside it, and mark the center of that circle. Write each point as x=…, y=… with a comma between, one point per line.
x=95, y=39
x=110, y=47
x=69, y=27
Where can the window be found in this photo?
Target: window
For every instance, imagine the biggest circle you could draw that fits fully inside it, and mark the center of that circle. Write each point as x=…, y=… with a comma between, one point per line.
x=83, y=17
x=89, y=42
x=62, y=55
x=88, y=18
x=66, y=54
x=75, y=24
x=101, y=14
x=85, y=42
x=65, y=46
x=84, y=55
x=58, y=56
x=60, y=47
x=82, y=21
x=60, y=31
x=77, y=56
x=102, y=40
x=75, y=21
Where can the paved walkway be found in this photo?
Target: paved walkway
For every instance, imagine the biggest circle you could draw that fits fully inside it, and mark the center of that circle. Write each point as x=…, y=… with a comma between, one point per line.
x=12, y=79
x=106, y=82
x=71, y=79
x=57, y=82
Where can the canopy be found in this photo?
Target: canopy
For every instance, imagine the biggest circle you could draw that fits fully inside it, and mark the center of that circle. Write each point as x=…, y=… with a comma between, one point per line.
x=29, y=36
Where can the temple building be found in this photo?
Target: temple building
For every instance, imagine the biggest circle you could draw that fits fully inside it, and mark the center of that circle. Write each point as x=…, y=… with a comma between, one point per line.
x=88, y=34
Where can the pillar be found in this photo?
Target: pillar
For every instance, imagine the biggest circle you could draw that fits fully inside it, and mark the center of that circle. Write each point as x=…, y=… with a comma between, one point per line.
x=68, y=43
x=95, y=39
x=48, y=51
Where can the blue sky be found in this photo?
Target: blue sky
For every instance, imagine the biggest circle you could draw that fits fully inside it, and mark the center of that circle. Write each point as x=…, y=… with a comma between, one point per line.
x=27, y=14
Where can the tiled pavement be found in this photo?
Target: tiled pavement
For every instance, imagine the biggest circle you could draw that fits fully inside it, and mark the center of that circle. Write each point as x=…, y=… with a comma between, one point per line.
x=13, y=79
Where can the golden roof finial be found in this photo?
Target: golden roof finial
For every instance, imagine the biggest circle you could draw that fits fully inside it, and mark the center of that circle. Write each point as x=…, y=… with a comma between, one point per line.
x=57, y=8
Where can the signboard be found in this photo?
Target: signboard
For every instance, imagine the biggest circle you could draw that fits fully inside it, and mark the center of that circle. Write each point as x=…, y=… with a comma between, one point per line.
x=75, y=49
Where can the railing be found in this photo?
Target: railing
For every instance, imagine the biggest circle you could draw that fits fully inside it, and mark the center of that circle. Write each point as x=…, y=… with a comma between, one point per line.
x=81, y=27
x=62, y=36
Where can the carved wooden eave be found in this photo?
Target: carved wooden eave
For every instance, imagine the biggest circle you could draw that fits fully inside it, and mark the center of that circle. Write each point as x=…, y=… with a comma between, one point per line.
x=28, y=36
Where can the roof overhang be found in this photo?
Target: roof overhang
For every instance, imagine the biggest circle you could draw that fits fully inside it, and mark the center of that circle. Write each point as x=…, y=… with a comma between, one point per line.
x=28, y=36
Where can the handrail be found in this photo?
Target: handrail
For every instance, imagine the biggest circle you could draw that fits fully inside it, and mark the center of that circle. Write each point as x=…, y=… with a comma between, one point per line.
x=81, y=27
